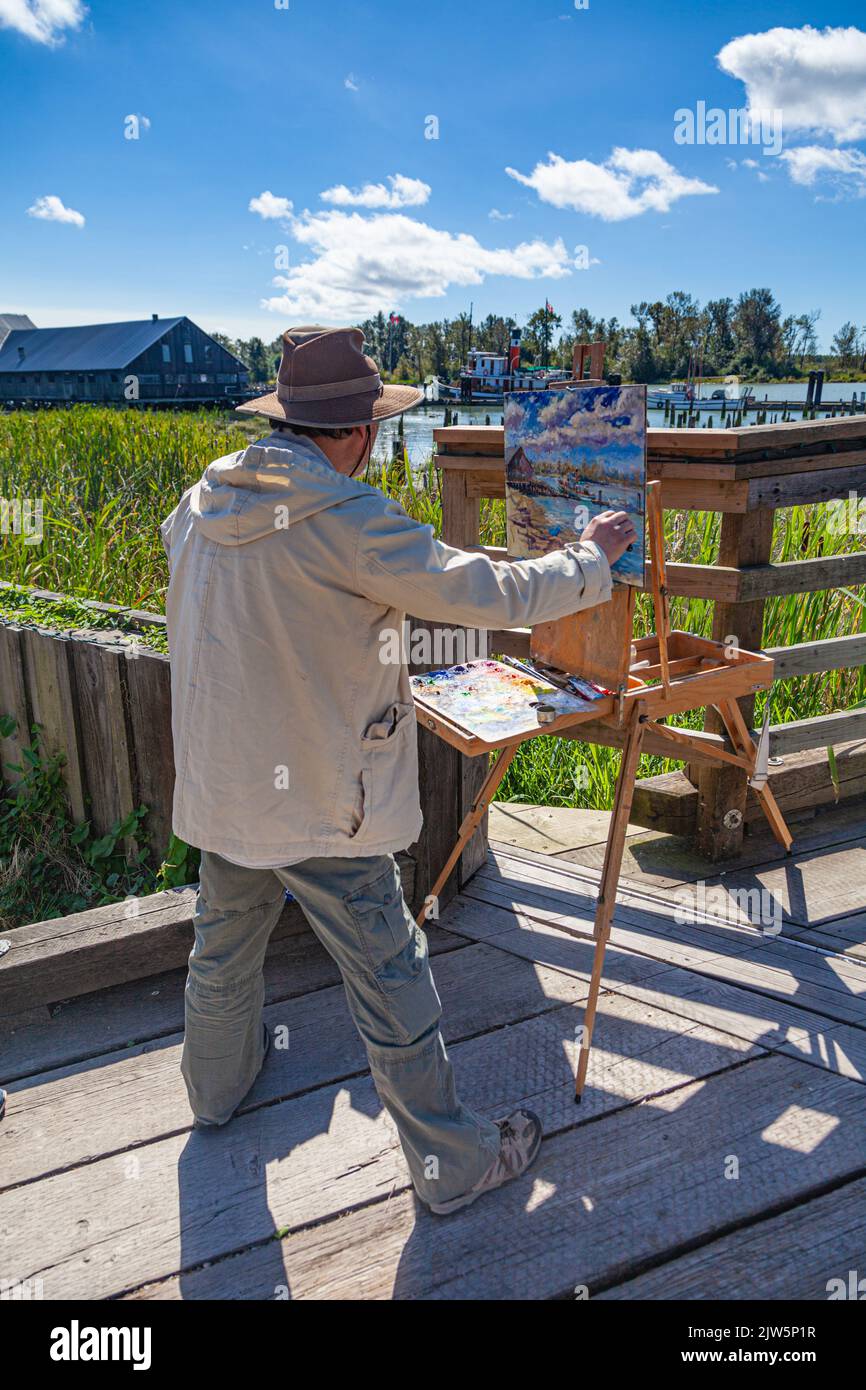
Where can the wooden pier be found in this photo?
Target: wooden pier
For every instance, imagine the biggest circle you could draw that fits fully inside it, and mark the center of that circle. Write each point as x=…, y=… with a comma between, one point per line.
x=720, y=1150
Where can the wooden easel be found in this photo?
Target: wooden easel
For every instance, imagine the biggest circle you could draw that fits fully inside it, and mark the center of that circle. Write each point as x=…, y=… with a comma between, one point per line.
x=689, y=673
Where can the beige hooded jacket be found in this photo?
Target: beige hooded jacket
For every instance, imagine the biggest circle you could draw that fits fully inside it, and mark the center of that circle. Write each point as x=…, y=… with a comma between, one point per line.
x=294, y=728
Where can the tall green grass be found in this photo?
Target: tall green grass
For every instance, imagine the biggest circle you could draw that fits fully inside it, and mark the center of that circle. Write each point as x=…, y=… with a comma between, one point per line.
x=107, y=478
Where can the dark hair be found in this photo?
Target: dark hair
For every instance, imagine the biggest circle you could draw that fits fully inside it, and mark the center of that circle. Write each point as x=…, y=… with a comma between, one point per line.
x=314, y=431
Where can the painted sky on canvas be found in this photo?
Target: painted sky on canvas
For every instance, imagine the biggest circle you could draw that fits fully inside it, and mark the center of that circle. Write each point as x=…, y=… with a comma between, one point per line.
x=571, y=454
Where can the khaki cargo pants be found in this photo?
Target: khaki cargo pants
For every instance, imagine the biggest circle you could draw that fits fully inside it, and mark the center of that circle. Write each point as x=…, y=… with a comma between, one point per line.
x=357, y=910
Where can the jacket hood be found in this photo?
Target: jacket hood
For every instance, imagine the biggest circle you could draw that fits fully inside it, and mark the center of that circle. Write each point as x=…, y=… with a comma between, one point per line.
x=278, y=481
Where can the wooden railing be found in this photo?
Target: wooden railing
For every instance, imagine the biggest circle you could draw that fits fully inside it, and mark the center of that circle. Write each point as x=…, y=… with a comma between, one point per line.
x=746, y=475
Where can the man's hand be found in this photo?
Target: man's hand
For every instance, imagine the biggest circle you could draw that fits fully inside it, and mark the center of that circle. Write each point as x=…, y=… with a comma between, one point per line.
x=613, y=531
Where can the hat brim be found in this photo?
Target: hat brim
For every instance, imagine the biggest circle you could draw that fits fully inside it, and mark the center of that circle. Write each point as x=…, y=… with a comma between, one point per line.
x=393, y=401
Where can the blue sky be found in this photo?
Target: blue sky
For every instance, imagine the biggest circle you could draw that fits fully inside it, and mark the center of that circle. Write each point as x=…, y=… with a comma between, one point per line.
x=334, y=96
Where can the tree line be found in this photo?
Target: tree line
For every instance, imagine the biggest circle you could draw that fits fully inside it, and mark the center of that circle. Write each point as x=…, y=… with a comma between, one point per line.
x=667, y=339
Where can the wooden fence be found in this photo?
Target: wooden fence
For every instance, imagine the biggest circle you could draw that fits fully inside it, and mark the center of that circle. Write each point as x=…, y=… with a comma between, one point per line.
x=745, y=474
x=103, y=701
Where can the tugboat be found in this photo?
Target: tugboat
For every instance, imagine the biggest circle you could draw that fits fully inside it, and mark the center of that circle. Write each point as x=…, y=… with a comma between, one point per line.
x=487, y=376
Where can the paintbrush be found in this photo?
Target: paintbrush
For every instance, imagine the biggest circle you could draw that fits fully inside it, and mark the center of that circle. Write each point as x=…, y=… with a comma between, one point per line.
x=535, y=674
x=572, y=685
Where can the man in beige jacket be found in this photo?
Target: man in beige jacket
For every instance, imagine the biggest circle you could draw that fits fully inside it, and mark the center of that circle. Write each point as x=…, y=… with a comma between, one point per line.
x=295, y=743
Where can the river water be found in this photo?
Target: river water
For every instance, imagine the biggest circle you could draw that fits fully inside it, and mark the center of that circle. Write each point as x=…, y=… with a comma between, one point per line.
x=419, y=424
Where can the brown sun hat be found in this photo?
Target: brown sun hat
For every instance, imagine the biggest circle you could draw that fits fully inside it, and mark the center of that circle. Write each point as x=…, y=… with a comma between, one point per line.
x=326, y=380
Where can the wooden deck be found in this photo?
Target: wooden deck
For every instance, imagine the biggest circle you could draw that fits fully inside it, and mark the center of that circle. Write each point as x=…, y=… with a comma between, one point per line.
x=720, y=1151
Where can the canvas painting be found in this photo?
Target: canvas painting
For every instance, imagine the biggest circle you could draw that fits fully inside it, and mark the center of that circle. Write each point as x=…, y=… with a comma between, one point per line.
x=570, y=454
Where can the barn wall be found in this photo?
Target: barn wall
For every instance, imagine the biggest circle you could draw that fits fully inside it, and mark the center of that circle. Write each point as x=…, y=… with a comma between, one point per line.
x=158, y=380
x=180, y=377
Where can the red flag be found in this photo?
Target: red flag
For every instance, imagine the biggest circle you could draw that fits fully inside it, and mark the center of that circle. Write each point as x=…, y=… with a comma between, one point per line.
x=548, y=307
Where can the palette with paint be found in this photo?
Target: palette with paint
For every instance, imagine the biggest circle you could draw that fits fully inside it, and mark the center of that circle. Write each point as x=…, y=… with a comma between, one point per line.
x=484, y=705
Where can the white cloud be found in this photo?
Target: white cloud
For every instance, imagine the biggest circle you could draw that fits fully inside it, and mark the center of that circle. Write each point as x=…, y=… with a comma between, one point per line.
x=351, y=83
x=362, y=264
x=844, y=170
x=41, y=20
x=627, y=184
x=749, y=164
x=51, y=209
x=815, y=77
x=496, y=216
x=403, y=193
x=269, y=206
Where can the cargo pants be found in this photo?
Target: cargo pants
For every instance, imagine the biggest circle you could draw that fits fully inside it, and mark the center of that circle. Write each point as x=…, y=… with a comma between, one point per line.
x=357, y=910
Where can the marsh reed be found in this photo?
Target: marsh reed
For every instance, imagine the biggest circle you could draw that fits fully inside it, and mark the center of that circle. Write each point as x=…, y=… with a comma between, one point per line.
x=108, y=477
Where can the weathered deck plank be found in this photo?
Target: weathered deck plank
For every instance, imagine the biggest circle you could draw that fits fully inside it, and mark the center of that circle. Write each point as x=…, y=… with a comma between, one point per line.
x=481, y=988
x=780, y=1025
x=792, y=1256
x=715, y=1042
x=602, y=1200
x=90, y=1025
x=668, y=860
x=793, y=889
x=146, y=1213
x=822, y=982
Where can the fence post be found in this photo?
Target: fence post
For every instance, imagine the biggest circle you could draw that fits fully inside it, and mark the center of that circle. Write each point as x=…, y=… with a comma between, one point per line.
x=746, y=539
x=449, y=781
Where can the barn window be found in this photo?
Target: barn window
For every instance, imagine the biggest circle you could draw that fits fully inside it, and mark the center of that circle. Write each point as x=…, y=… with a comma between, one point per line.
x=166, y=352
x=187, y=352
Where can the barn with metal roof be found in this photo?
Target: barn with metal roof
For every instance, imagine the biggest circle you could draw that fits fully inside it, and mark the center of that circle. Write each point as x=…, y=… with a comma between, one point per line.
x=157, y=361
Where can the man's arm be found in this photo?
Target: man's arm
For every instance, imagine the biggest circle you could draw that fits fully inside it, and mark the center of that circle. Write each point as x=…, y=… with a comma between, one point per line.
x=399, y=562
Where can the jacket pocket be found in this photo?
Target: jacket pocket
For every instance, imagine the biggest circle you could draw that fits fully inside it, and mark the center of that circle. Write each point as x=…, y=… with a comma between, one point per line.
x=389, y=780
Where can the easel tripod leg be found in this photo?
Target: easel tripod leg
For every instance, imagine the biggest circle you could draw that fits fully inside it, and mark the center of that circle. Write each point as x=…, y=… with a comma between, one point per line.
x=609, y=880
x=739, y=735
x=471, y=823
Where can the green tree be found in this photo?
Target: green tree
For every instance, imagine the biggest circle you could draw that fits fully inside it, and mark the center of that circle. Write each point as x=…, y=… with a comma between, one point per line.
x=539, y=333
x=493, y=334
x=757, y=330
x=638, y=358
x=720, y=342
x=807, y=338
x=258, y=359
x=844, y=345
